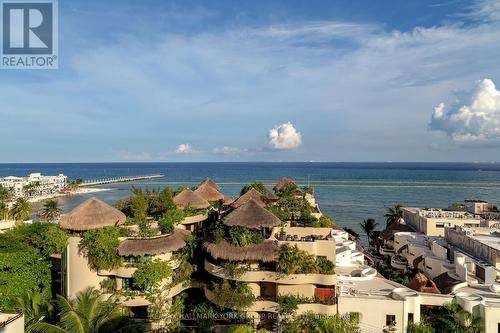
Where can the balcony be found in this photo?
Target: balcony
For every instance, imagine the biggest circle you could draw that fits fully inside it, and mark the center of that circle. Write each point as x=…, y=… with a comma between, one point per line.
x=399, y=262
x=194, y=219
x=386, y=250
x=270, y=276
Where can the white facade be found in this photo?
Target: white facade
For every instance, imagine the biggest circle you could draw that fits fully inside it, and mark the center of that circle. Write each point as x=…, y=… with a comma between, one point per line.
x=34, y=185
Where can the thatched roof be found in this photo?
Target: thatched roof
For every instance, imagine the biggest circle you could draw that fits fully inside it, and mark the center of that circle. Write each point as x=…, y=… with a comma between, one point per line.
x=422, y=284
x=153, y=245
x=250, y=194
x=272, y=197
x=228, y=200
x=209, y=193
x=209, y=182
x=445, y=283
x=251, y=215
x=92, y=214
x=189, y=198
x=398, y=226
x=265, y=251
x=283, y=182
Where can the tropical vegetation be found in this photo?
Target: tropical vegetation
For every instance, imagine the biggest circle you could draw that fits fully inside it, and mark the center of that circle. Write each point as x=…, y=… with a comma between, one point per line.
x=259, y=186
x=233, y=294
x=21, y=210
x=369, y=227
x=311, y=322
x=101, y=247
x=394, y=214
x=292, y=260
x=149, y=274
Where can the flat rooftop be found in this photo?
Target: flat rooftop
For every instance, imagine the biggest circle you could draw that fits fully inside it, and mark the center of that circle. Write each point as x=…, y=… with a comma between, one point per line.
x=491, y=240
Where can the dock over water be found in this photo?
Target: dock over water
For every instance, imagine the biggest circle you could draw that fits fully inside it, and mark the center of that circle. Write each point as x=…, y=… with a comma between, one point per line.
x=92, y=182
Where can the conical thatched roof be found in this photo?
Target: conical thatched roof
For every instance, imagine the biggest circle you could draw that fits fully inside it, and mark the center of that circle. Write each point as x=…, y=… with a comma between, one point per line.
x=211, y=183
x=250, y=194
x=251, y=215
x=422, y=284
x=283, y=182
x=265, y=251
x=92, y=214
x=209, y=193
x=189, y=198
x=398, y=226
x=228, y=200
x=154, y=245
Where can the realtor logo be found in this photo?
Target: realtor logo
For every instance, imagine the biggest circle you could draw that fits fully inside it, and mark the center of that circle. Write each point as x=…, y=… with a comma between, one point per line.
x=29, y=34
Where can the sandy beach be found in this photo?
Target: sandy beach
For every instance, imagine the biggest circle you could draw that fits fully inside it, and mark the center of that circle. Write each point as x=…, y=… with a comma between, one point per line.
x=78, y=191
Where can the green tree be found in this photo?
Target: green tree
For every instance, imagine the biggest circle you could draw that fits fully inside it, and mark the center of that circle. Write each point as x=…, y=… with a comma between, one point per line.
x=21, y=209
x=368, y=227
x=171, y=218
x=421, y=327
x=22, y=270
x=51, y=210
x=233, y=295
x=88, y=314
x=259, y=186
x=292, y=260
x=4, y=211
x=393, y=214
x=310, y=322
x=5, y=194
x=101, y=247
x=149, y=274
x=48, y=238
x=246, y=329
x=35, y=307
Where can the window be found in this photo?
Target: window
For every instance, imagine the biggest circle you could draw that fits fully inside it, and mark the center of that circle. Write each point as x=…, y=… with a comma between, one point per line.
x=390, y=320
x=410, y=317
x=439, y=225
x=127, y=283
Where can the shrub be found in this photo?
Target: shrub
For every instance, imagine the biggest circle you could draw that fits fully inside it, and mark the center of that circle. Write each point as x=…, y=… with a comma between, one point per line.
x=291, y=260
x=288, y=303
x=232, y=269
x=170, y=219
x=324, y=222
x=259, y=186
x=243, y=236
x=101, y=246
x=233, y=295
x=149, y=274
x=325, y=266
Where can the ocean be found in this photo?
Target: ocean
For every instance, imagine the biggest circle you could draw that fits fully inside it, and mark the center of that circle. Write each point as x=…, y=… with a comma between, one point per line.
x=349, y=192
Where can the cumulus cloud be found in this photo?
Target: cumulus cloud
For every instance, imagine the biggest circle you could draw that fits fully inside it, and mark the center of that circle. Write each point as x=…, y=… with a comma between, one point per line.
x=474, y=116
x=284, y=136
x=185, y=148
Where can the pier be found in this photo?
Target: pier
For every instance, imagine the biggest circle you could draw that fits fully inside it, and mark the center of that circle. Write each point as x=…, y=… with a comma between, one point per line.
x=92, y=182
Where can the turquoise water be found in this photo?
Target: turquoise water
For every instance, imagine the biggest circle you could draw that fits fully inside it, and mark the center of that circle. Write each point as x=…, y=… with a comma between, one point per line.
x=350, y=192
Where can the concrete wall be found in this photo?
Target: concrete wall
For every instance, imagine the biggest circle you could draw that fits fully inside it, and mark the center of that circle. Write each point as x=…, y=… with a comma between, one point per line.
x=470, y=245
x=16, y=324
x=303, y=290
x=79, y=275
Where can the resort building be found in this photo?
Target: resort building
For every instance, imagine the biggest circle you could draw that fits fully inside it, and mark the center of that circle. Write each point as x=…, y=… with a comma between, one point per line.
x=196, y=207
x=35, y=185
x=78, y=272
x=433, y=221
x=11, y=322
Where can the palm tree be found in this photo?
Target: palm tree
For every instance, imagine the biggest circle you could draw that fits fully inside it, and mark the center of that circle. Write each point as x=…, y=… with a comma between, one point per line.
x=35, y=307
x=4, y=211
x=89, y=314
x=21, y=210
x=51, y=210
x=394, y=214
x=5, y=194
x=368, y=227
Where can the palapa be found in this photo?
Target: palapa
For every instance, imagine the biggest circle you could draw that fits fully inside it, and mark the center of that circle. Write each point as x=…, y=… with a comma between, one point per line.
x=92, y=214
x=251, y=215
x=189, y=198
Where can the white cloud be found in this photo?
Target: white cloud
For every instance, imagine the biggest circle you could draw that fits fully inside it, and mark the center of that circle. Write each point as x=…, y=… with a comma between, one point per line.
x=185, y=148
x=284, y=136
x=228, y=150
x=474, y=116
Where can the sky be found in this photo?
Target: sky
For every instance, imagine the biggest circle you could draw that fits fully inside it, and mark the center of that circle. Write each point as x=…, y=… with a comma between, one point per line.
x=356, y=81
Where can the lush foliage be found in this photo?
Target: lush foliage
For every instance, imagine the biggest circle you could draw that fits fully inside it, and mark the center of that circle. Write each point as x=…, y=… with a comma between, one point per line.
x=233, y=269
x=246, y=329
x=233, y=295
x=171, y=218
x=35, y=307
x=101, y=247
x=22, y=270
x=311, y=322
x=147, y=202
x=453, y=318
x=259, y=186
x=291, y=260
x=323, y=222
x=421, y=327
x=325, y=266
x=5, y=194
x=242, y=236
x=89, y=314
x=288, y=303
x=47, y=238
x=393, y=274
x=51, y=210
x=21, y=209
x=150, y=273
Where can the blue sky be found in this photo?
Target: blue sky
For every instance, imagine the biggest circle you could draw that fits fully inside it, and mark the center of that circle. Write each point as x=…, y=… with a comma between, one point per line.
x=261, y=81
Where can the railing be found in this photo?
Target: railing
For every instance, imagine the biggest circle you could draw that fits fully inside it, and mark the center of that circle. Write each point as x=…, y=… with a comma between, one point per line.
x=11, y=319
x=92, y=182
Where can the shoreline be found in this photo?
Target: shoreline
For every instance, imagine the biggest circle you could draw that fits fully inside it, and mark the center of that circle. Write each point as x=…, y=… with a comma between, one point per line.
x=78, y=191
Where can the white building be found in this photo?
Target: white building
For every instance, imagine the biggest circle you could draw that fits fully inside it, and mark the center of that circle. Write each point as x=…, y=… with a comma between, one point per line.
x=34, y=185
